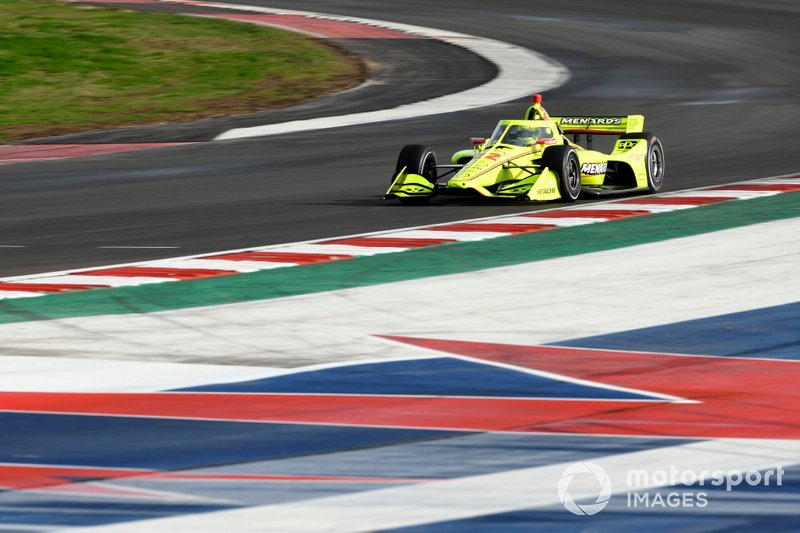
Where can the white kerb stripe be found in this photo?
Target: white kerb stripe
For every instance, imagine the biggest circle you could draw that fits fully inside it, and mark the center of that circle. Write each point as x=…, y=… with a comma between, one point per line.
x=335, y=249
x=433, y=234
x=520, y=221
x=5, y=294
x=565, y=222
x=733, y=193
x=782, y=181
x=67, y=374
x=111, y=281
x=655, y=208
x=218, y=264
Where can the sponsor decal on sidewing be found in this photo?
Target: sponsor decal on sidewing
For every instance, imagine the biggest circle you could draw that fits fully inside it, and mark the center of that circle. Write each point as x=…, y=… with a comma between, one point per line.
x=594, y=168
x=584, y=121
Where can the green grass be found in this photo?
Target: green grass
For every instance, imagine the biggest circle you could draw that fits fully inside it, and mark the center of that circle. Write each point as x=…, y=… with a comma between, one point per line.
x=67, y=68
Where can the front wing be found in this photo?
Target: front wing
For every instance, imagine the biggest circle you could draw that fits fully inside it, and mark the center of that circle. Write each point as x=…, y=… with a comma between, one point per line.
x=537, y=187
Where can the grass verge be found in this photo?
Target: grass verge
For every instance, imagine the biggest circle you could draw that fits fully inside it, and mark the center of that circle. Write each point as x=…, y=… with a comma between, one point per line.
x=67, y=68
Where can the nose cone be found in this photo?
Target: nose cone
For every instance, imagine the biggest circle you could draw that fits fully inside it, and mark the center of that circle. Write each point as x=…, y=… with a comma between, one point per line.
x=458, y=183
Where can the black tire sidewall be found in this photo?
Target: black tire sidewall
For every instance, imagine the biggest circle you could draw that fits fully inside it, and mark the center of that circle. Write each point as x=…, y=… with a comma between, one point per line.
x=413, y=157
x=653, y=144
x=557, y=159
x=571, y=194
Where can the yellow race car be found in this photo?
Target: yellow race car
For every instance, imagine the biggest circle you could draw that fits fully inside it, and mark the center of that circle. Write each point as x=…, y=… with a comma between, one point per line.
x=533, y=159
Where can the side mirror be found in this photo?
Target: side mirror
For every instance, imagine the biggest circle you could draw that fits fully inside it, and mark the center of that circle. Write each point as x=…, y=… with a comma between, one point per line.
x=477, y=140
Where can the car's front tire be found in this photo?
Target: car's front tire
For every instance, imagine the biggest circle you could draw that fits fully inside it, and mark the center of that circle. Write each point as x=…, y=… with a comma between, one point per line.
x=417, y=159
x=564, y=162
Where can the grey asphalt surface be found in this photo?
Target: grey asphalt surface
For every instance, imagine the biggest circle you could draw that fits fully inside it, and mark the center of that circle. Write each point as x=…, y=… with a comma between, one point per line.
x=717, y=81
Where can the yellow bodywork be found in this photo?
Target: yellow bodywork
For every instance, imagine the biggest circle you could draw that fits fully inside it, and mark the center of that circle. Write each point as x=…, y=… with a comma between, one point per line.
x=509, y=171
x=406, y=185
x=510, y=163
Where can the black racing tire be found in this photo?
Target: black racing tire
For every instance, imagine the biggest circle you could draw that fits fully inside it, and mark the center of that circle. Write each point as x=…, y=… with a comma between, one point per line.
x=563, y=160
x=417, y=159
x=656, y=164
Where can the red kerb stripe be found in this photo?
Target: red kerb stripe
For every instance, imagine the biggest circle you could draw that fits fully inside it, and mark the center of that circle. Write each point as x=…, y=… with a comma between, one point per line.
x=676, y=200
x=336, y=29
x=591, y=213
x=499, y=228
x=158, y=272
x=47, y=287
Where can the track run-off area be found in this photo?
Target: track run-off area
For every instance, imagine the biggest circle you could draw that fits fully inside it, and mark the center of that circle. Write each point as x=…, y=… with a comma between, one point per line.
x=455, y=382
x=217, y=348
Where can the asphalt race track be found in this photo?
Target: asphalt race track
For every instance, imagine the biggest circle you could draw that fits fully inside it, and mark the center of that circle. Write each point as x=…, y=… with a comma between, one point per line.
x=716, y=80
x=241, y=335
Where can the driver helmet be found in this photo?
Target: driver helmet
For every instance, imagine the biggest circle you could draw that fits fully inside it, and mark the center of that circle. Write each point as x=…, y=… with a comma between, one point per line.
x=528, y=137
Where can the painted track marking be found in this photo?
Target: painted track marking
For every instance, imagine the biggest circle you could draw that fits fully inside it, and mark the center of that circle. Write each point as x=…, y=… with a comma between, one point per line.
x=475, y=496
x=25, y=153
x=256, y=258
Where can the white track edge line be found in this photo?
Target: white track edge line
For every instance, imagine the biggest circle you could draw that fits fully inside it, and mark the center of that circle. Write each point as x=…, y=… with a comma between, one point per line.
x=520, y=72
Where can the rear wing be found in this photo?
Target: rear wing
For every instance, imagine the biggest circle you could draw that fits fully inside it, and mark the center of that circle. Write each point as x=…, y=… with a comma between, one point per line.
x=601, y=125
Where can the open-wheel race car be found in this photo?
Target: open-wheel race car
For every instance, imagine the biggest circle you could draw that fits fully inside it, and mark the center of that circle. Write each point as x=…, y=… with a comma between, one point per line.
x=533, y=159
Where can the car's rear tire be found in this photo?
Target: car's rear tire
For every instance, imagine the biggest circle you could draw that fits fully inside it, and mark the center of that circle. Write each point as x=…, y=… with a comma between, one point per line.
x=417, y=159
x=655, y=161
x=564, y=162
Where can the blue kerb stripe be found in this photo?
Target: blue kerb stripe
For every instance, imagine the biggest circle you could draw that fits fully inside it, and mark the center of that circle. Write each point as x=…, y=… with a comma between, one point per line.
x=441, y=376
x=167, y=444
x=42, y=510
x=656, y=520
x=771, y=332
